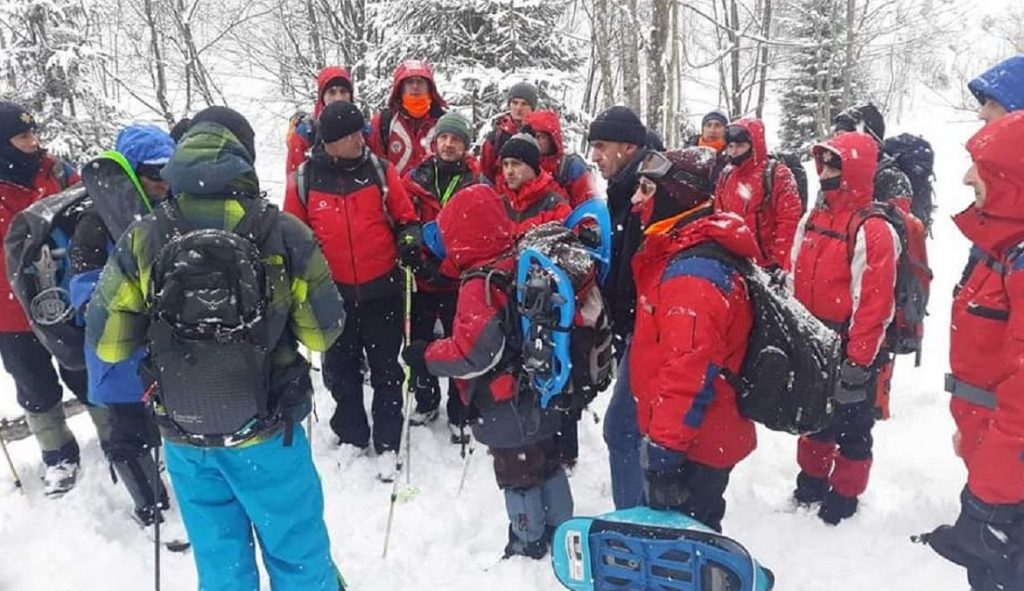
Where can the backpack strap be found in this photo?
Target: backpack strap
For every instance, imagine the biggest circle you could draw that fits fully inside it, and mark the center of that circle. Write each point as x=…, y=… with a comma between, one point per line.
x=768, y=181
x=379, y=168
x=385, y=128
x=561, y=175
x=302, y=183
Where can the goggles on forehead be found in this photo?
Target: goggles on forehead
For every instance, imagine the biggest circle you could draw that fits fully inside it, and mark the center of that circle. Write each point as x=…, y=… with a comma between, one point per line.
x=655, y=165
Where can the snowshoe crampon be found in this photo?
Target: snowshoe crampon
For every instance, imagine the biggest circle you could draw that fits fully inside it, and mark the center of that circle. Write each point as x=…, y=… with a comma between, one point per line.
x=546, y=303
x=644, y=549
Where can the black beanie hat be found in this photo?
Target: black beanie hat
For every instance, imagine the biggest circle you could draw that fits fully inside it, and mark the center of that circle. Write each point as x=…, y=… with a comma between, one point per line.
x=179, y=128
x=525, y=91
x=716, y=115
x=618, y=124
x=340, y=119
x=864, y=118
x=14, y=119
x=524, y=148
x=233, y=121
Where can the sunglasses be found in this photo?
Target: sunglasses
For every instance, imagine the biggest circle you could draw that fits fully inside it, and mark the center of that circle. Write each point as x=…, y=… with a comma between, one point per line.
x=150, y=172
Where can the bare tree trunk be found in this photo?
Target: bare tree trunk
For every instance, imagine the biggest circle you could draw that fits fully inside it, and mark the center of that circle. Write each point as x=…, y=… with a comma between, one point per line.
x=851, y=6
x=735, y=94
x=671, y=132
x=657, y=64
x=766, y=32
x=160, y=68
x=630, y=56
x=314, y=36
x=604, y=50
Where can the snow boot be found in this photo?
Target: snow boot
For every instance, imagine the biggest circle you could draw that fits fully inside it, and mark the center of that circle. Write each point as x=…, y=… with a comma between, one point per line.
x=458, y=435
x=536, y=549
x=386, y=466
x=420, y=418
x=50, y=429
x=60, y=478
x=835, y=508
x=141, y=477
x=809, y=490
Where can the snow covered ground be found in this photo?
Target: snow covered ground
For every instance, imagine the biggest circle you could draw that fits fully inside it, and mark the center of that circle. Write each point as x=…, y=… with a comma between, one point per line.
x=85, y=541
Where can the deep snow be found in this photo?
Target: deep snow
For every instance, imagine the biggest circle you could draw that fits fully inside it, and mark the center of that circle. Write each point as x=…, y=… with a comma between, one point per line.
x=85, y=541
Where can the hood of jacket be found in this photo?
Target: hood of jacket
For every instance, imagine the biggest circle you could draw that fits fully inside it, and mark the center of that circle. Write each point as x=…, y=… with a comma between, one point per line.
x=475, y=228
x=210, y=162
x=323, y=79
x=410, y=69
x=547, y=122
x=858, y=153
x=758, y=145
x=697, y=225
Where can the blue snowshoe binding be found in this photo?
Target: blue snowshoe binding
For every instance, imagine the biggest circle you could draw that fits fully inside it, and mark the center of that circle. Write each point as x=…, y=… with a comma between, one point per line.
x=546, y=304
x=595, y=213
x=644, y=549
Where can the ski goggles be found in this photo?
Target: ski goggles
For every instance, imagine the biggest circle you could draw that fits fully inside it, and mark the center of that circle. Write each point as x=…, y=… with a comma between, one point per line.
x=150, y=172
x=736, y=134
x=657, y=165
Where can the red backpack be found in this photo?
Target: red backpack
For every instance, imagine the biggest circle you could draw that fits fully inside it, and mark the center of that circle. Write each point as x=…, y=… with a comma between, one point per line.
x=913, y=275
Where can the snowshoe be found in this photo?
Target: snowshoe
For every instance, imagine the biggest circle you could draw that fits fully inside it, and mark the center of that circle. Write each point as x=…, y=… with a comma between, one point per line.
x=643, y=548
x=421, y=418
x=60, y=478
x=595, y=213
x=547, y=304
x=536, y=550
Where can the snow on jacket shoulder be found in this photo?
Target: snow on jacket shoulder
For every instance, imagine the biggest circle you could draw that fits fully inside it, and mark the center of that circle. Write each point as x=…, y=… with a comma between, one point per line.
x=693, y=320
x=773, y=218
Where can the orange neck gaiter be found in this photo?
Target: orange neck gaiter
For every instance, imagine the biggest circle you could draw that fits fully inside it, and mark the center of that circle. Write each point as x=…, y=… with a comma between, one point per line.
x=416, y=105
x=717, y=145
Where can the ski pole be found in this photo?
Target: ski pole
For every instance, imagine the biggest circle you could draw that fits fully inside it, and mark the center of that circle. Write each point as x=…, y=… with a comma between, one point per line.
x=465, y=470
x=157, y=517
x=403, y=446
x=7, y=455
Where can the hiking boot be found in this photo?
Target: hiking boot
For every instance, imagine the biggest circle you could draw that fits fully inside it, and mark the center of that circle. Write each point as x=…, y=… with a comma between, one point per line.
x=60, y=478
x=458, y=435
x=515, y=547
x=809, y=490
x=836, y=508
x=420, y=418
x=386, y=469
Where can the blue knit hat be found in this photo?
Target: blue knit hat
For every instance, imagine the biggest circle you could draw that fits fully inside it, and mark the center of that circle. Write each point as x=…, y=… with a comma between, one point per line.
x=1003, y=83
x=145, y=144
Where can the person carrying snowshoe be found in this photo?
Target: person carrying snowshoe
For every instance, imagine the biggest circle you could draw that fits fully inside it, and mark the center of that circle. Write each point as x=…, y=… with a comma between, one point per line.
x=360, y=213
x=521, y=100
x=1000, y=89
x=27, y=174
x=123, y=186
x=220, y=288
x=431, y=186
x=617, y=138
x=401, y=132
x=333, y=84
x=985, y=352
x=843, y=269
x=531, y=195
x=569, y=170
x=741, y=190
x=484, y=357
x=693, y=321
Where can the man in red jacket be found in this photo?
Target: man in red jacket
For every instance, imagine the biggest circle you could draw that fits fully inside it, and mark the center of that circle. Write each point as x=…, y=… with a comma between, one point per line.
x=531, y=196
x=522, y=100
x=741, y=190
x=333, y=84
x=843, y=269
x=569, y=170
x=358, y=209
x=430, y=186
x=27, y=174
x=401, y=132
x=986, y=349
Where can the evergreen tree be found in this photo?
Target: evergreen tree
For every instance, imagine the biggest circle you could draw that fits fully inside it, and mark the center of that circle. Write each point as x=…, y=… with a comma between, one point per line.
x=477, y=49
x=47, y=60
x=812, y=93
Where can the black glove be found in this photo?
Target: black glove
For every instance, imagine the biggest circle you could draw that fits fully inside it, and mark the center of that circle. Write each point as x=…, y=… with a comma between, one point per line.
x=410, y=243
x=853, y=383
x=589, y=236
x=430, y=272
x=982, y=540
x=414, y=355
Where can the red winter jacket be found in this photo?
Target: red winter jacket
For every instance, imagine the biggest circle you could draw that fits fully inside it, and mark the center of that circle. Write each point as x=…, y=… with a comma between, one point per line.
x=53, y=177
x=855, y=291
x=537, y=202
x=302, y=130
x=429, y=196
x=408, y=139
x=477, y=352
x=355, y=226
x=578, y=181
x=986, y=345
x=504, y=127
x=693, y=318
x=740, y=190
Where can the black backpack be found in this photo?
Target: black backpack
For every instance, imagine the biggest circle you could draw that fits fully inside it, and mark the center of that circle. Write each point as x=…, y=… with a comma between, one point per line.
x=793, y=163
x=37, y=253
x=790, y=371
x=915, y=157
x=209, y=339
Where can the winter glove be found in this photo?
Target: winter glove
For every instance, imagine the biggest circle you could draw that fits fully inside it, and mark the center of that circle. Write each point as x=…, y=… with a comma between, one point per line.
x=853, y=383
x=410, y=243
x=430, y=272
x=665, y=485
x=589, y=236
x=414, y=355
x=986, y=539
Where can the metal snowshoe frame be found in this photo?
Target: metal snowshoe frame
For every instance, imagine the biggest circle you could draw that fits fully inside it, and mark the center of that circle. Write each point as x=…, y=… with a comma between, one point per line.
x=596, y=211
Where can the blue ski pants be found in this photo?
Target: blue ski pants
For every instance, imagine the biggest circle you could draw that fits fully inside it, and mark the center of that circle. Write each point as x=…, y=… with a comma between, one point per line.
x=622, y=435
x=227, y=493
